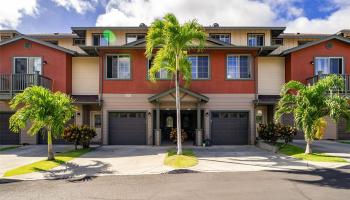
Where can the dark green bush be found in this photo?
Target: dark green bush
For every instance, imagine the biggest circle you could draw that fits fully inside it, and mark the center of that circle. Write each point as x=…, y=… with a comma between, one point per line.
x=272, y=132
x=80, y=135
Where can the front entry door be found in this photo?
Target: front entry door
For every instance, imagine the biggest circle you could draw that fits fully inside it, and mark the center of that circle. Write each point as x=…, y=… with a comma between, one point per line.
x=95, y=122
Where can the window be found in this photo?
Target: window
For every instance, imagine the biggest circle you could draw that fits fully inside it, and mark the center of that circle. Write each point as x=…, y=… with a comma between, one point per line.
x=100, y=39
x=255, y=40
x=226, y=37
x=238, y=67
x=118, y=67
x=329, y=65
x=200, y=67
x=78, y=41
x=302, y=42
x=27, y=65
x=5, y=37
x=162, y=74
x=277, y=41
x=134, y=37
x=55, y=42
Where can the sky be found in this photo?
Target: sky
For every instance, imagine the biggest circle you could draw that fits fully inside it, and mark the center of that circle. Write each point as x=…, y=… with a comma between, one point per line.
x=50, y=16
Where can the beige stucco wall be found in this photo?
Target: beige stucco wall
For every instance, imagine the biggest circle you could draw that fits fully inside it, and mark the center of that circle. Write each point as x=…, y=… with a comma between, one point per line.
x=68, y=44
x=239, y=37
x=289, y=43
x=119, y=36
x=331, y=130
x=85, y=75
x=139, y=102
x=271, y=75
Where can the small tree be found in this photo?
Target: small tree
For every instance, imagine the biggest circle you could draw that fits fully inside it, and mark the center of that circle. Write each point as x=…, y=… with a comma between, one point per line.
x=173, y=41
x=44, y=110
x=310, y=104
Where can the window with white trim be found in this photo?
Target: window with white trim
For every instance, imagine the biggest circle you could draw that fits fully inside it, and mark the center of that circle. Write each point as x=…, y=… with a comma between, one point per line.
x=118, y=67
x=161, y=74
x=27, y=65
x=132, y=37
x=329, y=65
x=224, y=37
x=255, y=40
x=100, y=39
x=200, y=67
x=238, y=67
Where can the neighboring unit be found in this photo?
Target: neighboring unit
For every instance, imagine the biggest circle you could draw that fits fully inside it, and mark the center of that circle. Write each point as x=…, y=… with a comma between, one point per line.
x=236, y=81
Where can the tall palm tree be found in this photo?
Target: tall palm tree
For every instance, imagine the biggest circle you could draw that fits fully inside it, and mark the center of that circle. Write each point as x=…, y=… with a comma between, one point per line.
x=310, y=104
x=44, y=110
x=173, y=41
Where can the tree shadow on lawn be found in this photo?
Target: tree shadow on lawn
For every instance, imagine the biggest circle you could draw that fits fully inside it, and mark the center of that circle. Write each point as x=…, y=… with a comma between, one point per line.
x=333, y=178
x=78, y=172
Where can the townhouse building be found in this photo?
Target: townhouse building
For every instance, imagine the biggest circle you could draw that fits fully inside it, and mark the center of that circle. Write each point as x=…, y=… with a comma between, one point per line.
x=235, y=85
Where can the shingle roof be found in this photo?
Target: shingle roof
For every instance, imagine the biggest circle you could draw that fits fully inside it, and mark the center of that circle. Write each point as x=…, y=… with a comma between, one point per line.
x=309, y=44
x=19, y=37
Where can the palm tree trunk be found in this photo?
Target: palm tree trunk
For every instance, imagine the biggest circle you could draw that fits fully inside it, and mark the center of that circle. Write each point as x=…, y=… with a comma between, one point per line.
x=308, y=149
x=50, y=155
x=178, y=107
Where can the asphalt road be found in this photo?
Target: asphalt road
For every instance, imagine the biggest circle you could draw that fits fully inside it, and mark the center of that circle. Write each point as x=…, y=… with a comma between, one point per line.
x=299, y=185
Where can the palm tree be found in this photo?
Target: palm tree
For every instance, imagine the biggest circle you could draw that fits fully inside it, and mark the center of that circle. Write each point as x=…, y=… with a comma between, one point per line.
x=310, y=104
x=44, y=110
x=173, y=41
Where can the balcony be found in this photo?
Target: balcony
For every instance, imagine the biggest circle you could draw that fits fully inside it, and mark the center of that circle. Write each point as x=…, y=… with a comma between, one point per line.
x=346, y=77
x=11, y=84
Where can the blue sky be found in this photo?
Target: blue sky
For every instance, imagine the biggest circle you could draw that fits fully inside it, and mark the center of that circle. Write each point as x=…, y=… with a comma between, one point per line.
x=48, y=16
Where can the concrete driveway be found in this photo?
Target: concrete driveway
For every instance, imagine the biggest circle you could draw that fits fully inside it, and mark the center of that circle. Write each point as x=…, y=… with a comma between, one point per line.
x=138, y=160
x=329, y=147
x=24, y=155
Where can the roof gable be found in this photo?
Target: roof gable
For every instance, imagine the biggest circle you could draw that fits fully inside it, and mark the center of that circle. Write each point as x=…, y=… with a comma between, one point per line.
x=163, y=95
x=19, y=37
x=332, y=37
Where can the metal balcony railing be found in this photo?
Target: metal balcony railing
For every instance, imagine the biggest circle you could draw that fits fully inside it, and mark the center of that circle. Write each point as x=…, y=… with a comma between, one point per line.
x=346, y=78
x=11, y=84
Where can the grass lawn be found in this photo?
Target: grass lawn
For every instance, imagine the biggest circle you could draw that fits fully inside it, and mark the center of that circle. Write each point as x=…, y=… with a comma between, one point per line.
x=298, y=153
x=46, y=165
x=187, y=159
x=8, y=148
x=344, y=141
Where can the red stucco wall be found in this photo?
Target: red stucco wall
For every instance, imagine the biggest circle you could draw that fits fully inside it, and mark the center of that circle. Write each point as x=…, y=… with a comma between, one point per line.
x=299, y=64
x=216, y=84
x=58, y=67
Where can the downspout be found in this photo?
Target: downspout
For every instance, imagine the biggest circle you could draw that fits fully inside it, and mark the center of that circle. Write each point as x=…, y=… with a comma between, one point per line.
x=100, y=99
x=256, y=92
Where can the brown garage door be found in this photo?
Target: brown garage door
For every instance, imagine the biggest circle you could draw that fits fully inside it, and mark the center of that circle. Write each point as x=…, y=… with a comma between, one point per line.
x=6, y=136
x=229, y=128
x=127, y=128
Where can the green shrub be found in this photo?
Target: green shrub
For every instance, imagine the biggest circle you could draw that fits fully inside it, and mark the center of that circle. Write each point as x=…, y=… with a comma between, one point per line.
x=272, y=132
x=80, y=135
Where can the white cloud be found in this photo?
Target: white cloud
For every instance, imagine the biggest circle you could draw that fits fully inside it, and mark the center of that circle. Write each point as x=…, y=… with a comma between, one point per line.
x=80, y=6
x=227, y=12
x=333, y=23
x=11, y=12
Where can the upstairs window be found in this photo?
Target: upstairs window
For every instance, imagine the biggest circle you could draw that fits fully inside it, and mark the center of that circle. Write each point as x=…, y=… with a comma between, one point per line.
x=78, y=41
x=224, y=37
x=4, y=37
x=277, y=41
x=100, y=39
x=27, y=65
x=162, y=74
x=238, y=67
x=55, y=42
x=200, y=67
x=132, y=37
x=302, y=42
x=329, y=65
x=255, y=40
x=118, y=67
